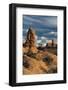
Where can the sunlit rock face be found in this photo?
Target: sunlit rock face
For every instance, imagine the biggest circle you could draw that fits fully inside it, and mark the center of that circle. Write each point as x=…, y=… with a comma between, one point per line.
x=30, y=43
x=38, y=60
x=51, y=43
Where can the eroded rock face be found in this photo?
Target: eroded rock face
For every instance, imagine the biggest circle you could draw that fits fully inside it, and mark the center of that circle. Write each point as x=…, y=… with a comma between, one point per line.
x=51, y=43
x=36, y=61
x=30, y=42
x=42, y=63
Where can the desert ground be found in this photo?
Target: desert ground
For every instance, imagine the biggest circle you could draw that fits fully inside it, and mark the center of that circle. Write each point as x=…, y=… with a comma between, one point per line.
x=38, y=60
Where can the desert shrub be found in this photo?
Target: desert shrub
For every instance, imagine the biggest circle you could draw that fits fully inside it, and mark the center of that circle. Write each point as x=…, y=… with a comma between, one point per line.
x=32, y=55
x=47, y=59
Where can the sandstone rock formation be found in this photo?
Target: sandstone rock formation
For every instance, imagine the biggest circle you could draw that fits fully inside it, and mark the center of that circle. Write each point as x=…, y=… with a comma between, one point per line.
x=36, y=61
x=29, y=45
x=51, y=43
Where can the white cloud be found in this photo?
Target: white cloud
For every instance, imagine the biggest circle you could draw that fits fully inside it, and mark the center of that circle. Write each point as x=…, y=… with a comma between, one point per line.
x=42, y=41
x=39, y=41
x=51, y=21
x=44, y=44
x=36, y=37
x=53, y=33
x=25, y=30
x=43, y=38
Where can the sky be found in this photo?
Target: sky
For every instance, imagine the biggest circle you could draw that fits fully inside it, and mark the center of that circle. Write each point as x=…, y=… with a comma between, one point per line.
x=44, y=26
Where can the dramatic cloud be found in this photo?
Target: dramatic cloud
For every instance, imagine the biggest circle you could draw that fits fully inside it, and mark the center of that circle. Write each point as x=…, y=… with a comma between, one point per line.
x=50, y=21
x=44, y=26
